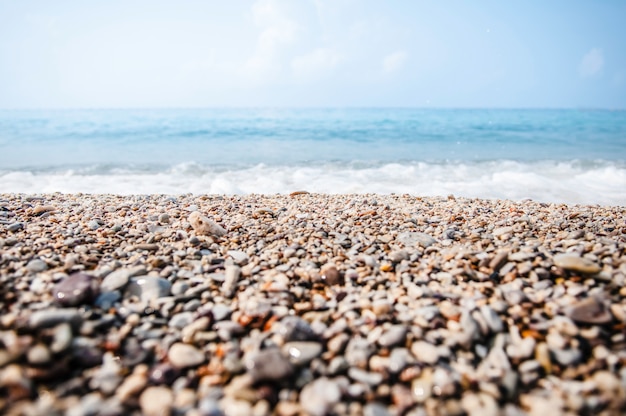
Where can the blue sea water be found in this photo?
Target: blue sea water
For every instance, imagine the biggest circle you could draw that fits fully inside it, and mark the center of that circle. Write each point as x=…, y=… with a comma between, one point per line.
x=573, y=156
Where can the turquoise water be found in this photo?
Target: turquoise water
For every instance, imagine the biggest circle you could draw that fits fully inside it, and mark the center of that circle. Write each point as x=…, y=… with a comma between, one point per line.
x=552, y=155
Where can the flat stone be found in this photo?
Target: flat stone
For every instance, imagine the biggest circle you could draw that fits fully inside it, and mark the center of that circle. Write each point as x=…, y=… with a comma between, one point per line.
x=589, y=311
x=240, y=257
x=148, y=288
x=268, y=365
x=573, y=262
x=411, y=239
x=184, y=355
x=302, y=352
x=46, y=318
x=36, y=266
x=204, y=226
x=117, y=279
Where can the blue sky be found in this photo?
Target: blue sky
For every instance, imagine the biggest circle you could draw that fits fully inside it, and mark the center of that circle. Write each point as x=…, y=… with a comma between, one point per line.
x=210, y=53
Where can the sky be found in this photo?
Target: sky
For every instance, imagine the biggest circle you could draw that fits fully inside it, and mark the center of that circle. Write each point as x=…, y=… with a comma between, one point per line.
x=312, y=53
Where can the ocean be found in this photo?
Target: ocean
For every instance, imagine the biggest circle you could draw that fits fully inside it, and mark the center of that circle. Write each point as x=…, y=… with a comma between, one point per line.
x=569, y=156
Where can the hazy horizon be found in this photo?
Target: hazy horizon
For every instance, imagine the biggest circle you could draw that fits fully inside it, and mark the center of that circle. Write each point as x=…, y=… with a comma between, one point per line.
x=312, y=54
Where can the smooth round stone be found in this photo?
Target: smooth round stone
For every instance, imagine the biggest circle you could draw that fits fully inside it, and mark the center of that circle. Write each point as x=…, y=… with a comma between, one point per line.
x=164, y=218
x=425, y=352
x=148, y=288
x=294, y=328
x=38, y=354
x=302, y=352
x=156, y=401
x=164, y=373
x=268, y=365
x=115, y=280
x=394, y=335
x=398, y=255
x=93, y=225
x=74, y=290
x=131, y=386
x=185, y=355
x=36, y=266
x=574, y=262
x=319, y=396
x=179, y=288
x=181, y=320
x=330, y=275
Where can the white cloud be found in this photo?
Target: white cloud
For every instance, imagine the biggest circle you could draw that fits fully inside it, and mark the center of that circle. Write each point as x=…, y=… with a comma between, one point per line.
x=394, y=61
x=277, y=31
x=592, y=63
x=316, y=63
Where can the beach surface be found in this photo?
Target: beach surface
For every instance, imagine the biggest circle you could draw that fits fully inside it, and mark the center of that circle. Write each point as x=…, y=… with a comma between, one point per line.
x=310, y=304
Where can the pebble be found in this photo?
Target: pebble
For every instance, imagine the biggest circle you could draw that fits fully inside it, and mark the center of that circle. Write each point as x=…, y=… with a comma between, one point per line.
x=268, y=365
x=330, y=275
x=574, y=262
x=204, y=226
x=393, y=336
x=184, y=355
x=156, y=401
x=36, y=266
x=148, y=288
x=301, y=352
x=589, y=311
x=47, y=318
x=425, y=352
x=317, y=398
x=411, y=239
x=74, y=290
x=15, y=227
x=38, y=354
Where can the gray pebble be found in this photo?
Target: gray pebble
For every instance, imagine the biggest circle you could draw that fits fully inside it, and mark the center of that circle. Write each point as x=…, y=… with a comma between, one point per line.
x=36, y=266
x=47, y=318
x=268, y=365
x=148, y=288
x=302, y=352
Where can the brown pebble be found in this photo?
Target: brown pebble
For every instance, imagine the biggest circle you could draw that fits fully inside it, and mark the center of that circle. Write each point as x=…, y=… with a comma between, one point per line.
x=330, y=275
x=589, y=311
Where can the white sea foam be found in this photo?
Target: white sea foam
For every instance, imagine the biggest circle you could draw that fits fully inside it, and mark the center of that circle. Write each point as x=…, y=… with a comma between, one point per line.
x=549, y=181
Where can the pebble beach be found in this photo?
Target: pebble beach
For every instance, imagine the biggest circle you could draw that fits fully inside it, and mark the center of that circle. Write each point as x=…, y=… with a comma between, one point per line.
x=310, y=304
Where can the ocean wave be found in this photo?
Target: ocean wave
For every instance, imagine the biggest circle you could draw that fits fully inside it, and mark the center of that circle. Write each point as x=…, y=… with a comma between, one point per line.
x=549, y=181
